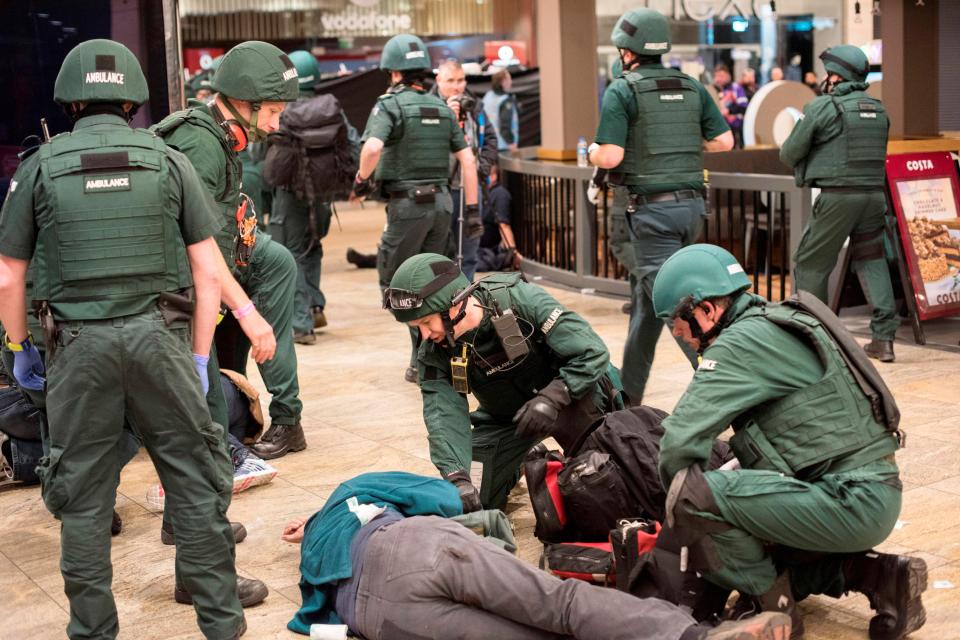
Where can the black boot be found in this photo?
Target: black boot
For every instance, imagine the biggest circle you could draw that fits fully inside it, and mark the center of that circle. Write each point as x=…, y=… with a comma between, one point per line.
x=249, y=590
x=167, y=536
x=242, y=629
x=116, y=526
x=881, y=350
x=279, y=440
x=779, y=599
x=411, y=375
x=319, y=319
x=894, y=585
x=362, y=260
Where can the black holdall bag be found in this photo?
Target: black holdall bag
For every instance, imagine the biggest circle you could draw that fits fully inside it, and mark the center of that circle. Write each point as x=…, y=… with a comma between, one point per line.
x=594, y=494
x=588, y=561
x=311, y=154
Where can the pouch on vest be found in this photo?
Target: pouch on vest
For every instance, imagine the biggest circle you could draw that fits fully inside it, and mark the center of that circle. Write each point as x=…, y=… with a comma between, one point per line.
x=754, y=450
x=594, y=494
x=588, y=561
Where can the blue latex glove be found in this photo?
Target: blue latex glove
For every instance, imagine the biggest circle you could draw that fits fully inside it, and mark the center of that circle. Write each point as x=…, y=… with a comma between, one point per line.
x=200, y=362
x=28, y=367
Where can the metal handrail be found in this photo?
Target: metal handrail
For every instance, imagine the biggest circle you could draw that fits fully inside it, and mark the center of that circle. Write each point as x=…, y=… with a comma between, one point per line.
x=742, y=205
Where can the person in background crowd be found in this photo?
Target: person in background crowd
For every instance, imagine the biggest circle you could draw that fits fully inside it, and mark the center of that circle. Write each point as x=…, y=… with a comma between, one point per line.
x=776, y=74
x=498, y=247
x=501, y=108
x=810, y=79
x=733, y=102
x=748, y=82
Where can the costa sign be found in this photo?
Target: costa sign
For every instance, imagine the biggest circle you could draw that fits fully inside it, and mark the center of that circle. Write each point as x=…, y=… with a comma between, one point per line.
x=703, y=10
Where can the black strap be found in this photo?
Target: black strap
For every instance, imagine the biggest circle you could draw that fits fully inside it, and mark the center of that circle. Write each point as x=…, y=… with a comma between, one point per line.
x=445, y=272
x=826, y=56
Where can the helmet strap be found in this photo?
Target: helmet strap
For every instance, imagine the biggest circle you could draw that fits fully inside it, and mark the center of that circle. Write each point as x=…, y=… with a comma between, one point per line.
x=449, y=323
x=252, y=133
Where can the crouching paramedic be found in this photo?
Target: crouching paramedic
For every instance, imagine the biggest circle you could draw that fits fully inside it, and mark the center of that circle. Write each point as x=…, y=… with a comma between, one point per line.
x=815, y=430
x=536, y=368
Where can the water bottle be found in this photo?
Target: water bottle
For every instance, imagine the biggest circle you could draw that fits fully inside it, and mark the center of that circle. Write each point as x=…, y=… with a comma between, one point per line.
x=582, y=160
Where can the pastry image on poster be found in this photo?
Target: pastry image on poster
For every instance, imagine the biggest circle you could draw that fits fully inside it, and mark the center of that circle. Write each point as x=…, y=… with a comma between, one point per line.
x=930, y=211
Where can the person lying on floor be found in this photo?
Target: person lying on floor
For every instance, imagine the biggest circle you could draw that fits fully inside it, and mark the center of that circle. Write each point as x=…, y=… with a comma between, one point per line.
x=384, y=558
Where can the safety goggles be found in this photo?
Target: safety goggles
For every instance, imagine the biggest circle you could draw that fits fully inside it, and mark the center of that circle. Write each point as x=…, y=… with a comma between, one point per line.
x=405, y=299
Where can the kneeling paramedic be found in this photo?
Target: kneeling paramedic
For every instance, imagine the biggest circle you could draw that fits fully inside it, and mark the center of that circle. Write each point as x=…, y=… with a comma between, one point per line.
x=537, y=370
x=815, y=431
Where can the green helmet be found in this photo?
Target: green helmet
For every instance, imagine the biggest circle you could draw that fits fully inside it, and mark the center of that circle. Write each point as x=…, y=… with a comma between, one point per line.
x=256, y=72
x=644, y=31
x=215, y=64
x=404, y=53
x=847, y=61
x=422, y=285
x=100, y=71
x=694, y=274
x=308, y=71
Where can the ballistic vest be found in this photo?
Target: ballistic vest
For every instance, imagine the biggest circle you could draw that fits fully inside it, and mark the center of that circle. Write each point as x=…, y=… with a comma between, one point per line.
x=492, y=101
x=109, y=239
x=856, y=156
x=826, y=426
x=664, y=143
x=422, y=152
x=199, y=117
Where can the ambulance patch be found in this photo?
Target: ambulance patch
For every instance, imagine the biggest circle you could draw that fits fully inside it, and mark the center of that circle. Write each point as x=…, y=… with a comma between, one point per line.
x=103, y=77
x=671, y=97
x=107, y=183
x=707, y=365
x=429, y=121
x=551, y=320
x=290, y=74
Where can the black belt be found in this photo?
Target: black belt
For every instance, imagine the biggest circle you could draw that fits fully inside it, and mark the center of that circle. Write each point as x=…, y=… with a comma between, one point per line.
x=637, y=199
x=425, y=193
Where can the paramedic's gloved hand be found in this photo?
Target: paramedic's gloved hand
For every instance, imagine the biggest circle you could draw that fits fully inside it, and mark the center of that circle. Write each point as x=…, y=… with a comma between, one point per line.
x=472, y=223
x=595, y=188
x=27, y=365
x=537, y=417
x=200, y=362
x=468, y=493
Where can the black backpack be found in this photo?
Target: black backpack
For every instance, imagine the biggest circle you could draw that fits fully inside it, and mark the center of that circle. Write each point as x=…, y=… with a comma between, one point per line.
x=312, y=154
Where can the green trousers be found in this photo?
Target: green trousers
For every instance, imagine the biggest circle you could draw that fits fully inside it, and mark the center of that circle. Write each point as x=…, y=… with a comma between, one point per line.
x=859, y=216
x=657, y=231
x=497, y=447
x=292, y=226
x=839, y=513
x=413, y=228
x=271, y=282
x=136, y=368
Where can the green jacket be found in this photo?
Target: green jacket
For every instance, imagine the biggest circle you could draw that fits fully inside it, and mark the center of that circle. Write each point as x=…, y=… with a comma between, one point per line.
x=562, y=345
x=195, y=133
x=840, y=141
x=751, y=366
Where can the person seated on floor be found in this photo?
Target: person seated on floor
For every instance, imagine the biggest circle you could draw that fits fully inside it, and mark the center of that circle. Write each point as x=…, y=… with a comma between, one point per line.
x=498, y=247
x=384, y=558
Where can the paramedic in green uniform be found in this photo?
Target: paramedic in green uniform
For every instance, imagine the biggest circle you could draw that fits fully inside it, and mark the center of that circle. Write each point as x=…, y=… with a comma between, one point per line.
x=406, y=146
x=817, y=451
x=840, y=146
x=120, y=231
x=253, y=83
x=654, y=126
x=546, y=374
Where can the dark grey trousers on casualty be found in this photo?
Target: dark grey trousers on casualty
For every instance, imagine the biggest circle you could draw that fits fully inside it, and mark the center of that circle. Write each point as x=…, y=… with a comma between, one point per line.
x=427, y=577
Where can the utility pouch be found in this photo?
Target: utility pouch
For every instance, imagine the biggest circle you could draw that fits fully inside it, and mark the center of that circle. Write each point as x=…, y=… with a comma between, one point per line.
x=50, y=332
x=458, y=372
x=511, y=338
x=754, y=450
x=424, y=195
x=176, y=306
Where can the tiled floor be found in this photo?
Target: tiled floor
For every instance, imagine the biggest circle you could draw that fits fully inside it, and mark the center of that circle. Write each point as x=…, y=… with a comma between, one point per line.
x=360, y=415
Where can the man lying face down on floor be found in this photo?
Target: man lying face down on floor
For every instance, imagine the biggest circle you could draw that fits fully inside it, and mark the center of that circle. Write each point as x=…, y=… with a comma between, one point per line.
x=384, y=558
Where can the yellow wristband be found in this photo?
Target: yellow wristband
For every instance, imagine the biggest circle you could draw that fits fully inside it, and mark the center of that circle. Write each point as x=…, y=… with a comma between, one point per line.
x=20, y=346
